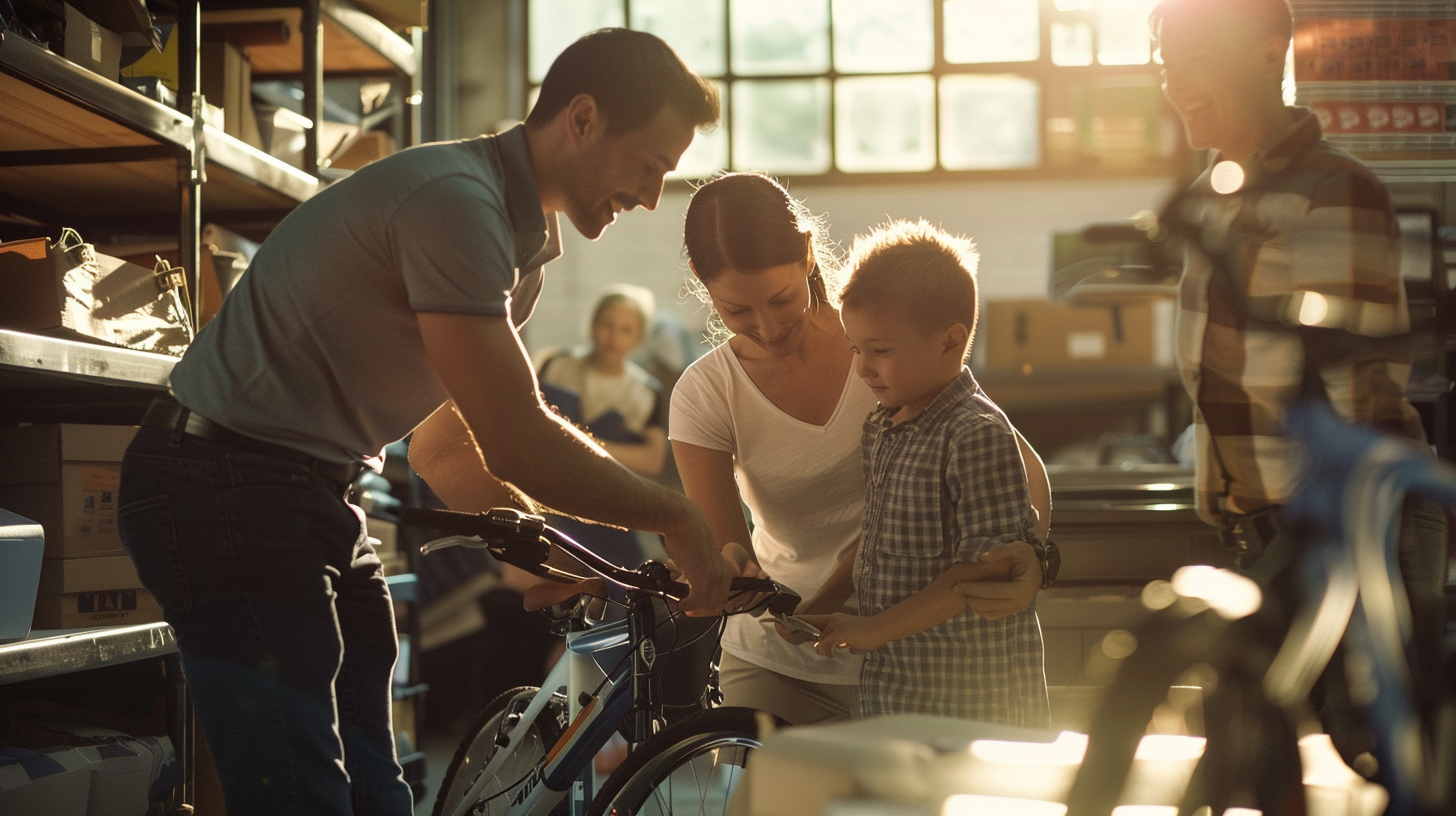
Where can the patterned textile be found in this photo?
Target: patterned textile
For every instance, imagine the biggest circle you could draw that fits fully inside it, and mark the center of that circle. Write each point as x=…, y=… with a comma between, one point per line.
x=941, y=488
x=1310, y=270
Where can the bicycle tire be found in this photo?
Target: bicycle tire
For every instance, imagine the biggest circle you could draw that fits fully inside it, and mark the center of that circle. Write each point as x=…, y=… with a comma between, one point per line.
x=479, y=746
x=691, y=766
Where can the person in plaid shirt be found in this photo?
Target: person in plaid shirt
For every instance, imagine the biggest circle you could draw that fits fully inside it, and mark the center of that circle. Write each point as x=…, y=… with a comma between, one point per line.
x=1292, y=288
x=944, y=483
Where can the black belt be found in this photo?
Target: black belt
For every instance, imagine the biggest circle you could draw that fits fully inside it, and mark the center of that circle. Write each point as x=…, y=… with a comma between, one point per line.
x=168, y=414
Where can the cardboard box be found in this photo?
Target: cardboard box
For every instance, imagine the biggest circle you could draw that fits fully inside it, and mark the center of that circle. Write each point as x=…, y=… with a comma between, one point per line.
x=54, y=782
x=371, y=145
x=22, y=544
x=227, y=81
x=121, y=777
x=1028, y=335
x=65, y=477
x=80, y=592
x=91, y=45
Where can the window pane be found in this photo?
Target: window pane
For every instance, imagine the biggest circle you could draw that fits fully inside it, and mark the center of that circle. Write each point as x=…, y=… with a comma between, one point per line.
x=989, y=122
x=781, y=125
x=780, y=36
x=884, y=124
x=1122, y=32
x=1109, y=122
x=709, y=151
x=1071, y=44
x=694, y=28
x=873, y=36
x=992, y=31
x=555, y=24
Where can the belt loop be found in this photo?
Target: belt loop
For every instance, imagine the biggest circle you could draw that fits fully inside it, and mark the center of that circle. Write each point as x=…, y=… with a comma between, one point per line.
x=180, y=426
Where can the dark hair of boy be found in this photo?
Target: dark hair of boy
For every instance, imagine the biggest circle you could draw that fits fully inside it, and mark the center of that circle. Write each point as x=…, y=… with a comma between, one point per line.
x=747, y=222
x=1273, y=16
x=631, y=75
x=919, y=269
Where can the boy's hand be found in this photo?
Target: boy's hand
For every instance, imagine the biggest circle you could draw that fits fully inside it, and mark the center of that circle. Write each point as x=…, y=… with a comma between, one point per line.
x=792, y=636
x=841, y=631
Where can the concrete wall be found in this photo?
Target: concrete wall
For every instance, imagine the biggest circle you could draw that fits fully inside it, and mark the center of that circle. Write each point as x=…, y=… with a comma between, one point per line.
x=1012, y=223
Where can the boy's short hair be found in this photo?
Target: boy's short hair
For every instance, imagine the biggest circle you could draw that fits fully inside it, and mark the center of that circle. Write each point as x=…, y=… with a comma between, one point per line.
x=915, y=266
x=1273, y=16
x=632, y=75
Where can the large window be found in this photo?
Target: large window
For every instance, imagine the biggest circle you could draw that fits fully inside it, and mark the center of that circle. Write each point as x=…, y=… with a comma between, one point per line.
x=854, y=87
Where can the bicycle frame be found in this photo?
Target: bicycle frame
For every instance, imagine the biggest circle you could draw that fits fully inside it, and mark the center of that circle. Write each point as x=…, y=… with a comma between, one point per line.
x=596, y=657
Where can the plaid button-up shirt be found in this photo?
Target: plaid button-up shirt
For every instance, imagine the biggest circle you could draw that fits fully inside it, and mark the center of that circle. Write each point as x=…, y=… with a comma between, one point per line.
x=941, y=488
x=1311, y=262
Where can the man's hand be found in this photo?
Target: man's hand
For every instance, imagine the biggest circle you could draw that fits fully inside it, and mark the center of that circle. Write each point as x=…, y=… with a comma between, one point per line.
x=841, y=631
x=706, y=571
x=1020, y=580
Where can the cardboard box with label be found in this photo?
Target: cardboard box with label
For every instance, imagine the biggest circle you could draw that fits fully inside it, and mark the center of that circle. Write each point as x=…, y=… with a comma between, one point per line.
x=65, y=477
x=91, y=45
x=1030, y=335
x=81, y=592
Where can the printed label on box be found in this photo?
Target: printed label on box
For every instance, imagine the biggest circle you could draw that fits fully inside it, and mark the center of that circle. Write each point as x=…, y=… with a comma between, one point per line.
x=99, y=484
x=1086, y=345
x=119, y=601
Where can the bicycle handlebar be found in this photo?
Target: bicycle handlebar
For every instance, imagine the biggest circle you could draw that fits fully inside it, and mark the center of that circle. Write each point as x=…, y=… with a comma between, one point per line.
x=524, y=540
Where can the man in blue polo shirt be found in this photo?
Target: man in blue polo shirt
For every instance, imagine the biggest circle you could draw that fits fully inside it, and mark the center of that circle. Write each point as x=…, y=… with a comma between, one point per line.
x=392, y=295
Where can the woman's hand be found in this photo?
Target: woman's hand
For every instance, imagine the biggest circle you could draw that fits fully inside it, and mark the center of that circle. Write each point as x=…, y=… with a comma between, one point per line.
x=1015, y=587
x=841, y=631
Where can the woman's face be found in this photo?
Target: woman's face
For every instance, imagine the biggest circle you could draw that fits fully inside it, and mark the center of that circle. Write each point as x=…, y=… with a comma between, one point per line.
x=616, y=333
x=769, y=307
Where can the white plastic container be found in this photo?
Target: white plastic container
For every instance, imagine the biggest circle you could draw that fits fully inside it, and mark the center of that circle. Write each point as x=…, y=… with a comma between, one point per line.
x=22, y=545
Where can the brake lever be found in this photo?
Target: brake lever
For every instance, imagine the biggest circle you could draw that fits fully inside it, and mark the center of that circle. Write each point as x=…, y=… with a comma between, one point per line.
x=474, y=542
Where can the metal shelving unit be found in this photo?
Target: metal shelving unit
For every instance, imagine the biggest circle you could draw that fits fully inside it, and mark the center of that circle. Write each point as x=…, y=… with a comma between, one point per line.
x=51, y=653
x=78, y=150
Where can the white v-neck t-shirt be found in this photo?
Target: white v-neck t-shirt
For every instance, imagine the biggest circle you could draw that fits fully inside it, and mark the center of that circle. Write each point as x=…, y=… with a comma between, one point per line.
x=803, y=484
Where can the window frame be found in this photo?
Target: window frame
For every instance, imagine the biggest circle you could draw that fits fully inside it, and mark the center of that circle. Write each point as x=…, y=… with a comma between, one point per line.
x=1042, y=71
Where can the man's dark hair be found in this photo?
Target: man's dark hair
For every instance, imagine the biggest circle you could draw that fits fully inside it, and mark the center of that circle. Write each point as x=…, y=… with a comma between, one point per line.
x=923, y=271
x=1273, y=15
x=631, y=75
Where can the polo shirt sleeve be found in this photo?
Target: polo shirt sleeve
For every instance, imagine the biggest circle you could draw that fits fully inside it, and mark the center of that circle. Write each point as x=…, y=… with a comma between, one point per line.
x=986, y=485
x=452, y=240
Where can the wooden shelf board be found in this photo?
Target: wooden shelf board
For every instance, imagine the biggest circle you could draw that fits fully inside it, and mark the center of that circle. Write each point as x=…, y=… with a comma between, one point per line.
x=343, y=52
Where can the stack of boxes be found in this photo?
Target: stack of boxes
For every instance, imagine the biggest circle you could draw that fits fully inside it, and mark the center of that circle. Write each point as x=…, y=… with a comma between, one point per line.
x=65, y=477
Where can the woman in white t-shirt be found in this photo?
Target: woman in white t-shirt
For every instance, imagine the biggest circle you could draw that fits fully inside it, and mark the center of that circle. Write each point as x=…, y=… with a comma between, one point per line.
x=772, y=418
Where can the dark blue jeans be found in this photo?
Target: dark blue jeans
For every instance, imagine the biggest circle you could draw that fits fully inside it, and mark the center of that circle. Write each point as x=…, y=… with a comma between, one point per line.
x=283, y=620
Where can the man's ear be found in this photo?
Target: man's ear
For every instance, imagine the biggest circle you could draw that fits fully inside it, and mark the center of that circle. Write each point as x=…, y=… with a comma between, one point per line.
x=584, y=121
x=1273, y=54
x=955, y=339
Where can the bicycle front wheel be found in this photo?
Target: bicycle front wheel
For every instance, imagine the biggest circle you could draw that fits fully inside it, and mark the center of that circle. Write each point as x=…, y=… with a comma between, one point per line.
x=477, y=749
x=690, y=767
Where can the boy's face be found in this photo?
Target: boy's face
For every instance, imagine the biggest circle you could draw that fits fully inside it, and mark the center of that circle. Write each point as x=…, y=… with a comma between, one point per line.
x=1219, y=72
x=903, y=365
x=612, y=174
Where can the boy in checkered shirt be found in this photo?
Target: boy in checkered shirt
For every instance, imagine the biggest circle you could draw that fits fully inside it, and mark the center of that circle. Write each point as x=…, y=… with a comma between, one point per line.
x=944, y=482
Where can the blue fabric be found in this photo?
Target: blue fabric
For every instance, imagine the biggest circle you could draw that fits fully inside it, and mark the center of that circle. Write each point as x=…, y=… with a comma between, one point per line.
x=282, y=618
x=35, y=765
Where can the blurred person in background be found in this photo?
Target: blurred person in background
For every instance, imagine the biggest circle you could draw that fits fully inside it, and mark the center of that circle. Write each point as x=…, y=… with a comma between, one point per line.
x=1287, y=222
